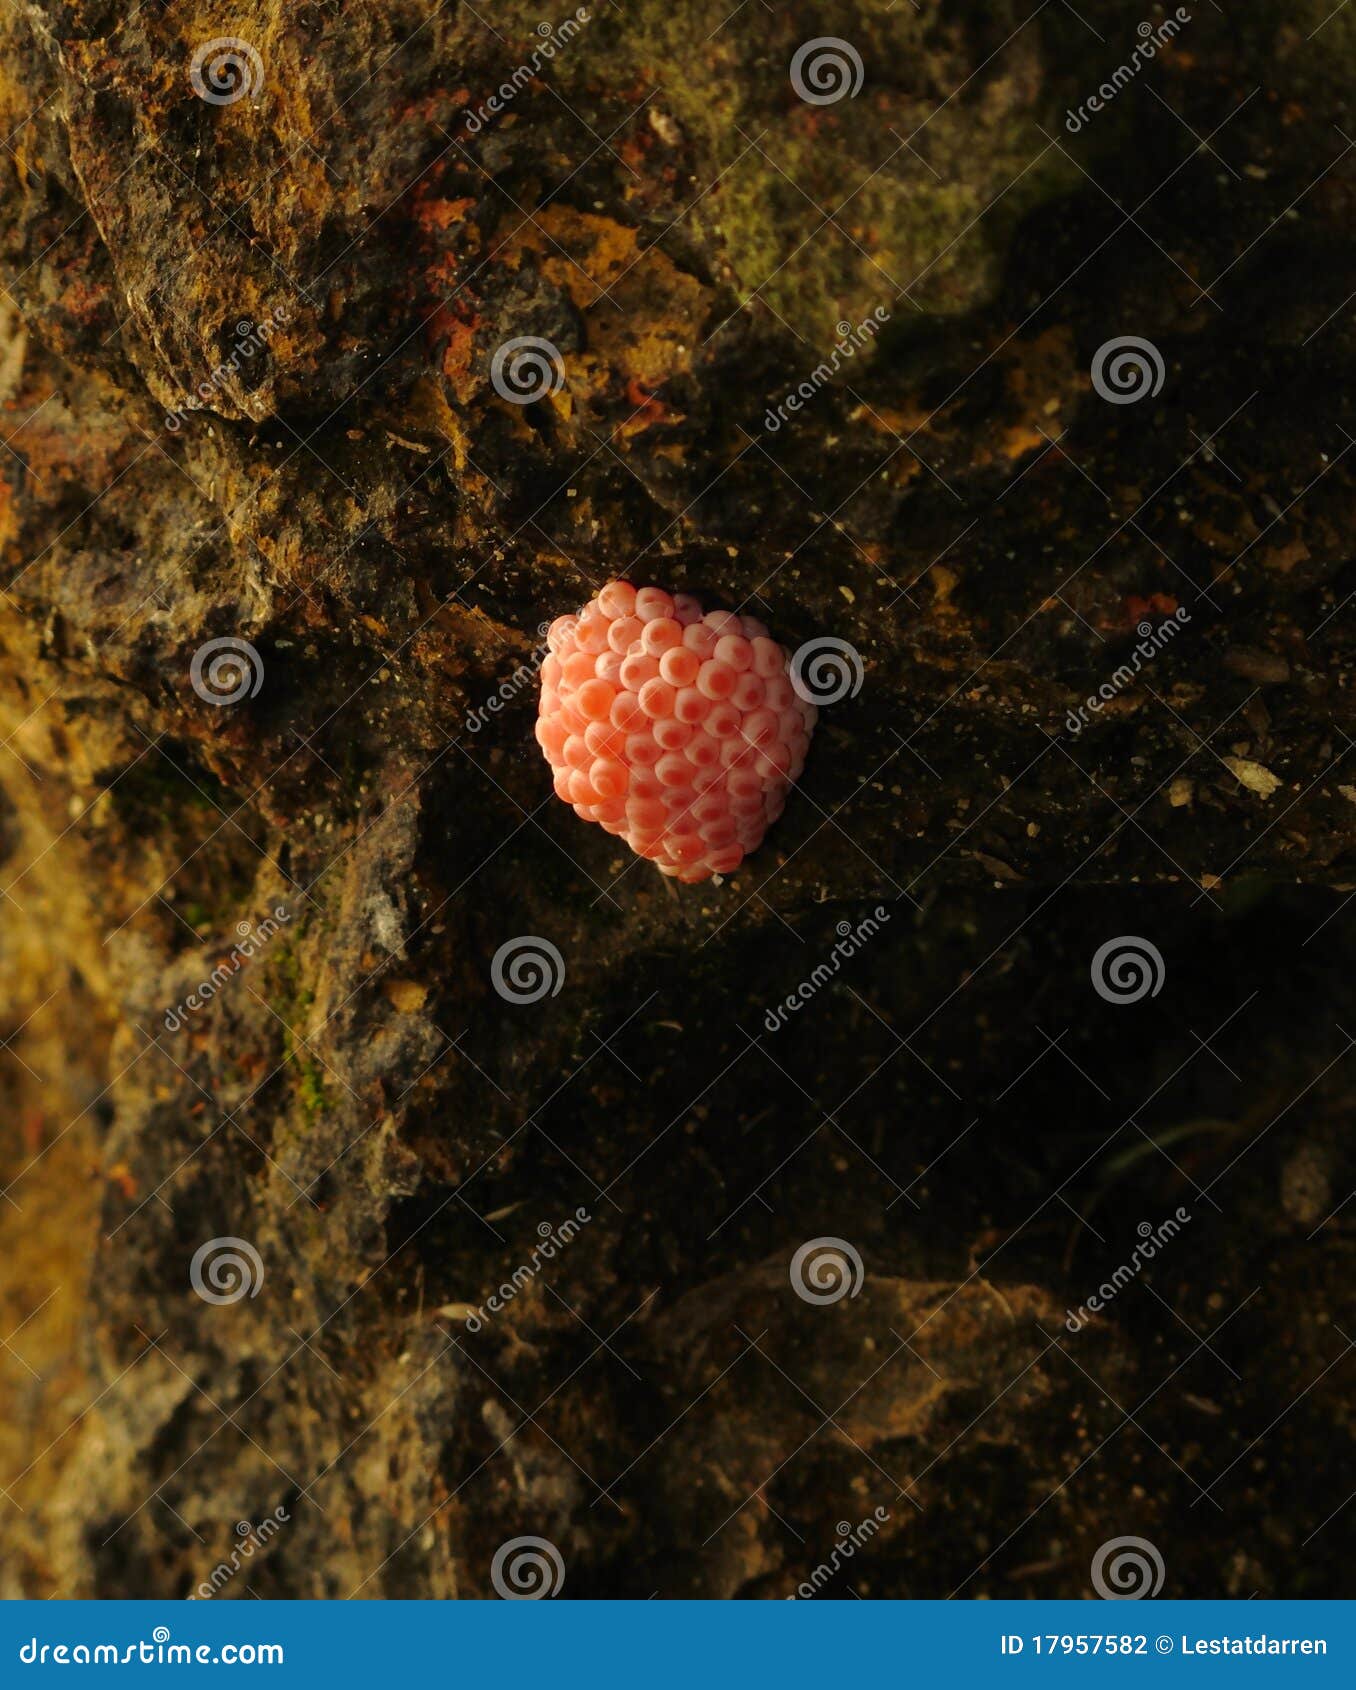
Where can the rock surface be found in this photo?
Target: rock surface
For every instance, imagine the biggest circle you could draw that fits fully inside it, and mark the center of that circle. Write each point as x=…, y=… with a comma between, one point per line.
x=247, y=371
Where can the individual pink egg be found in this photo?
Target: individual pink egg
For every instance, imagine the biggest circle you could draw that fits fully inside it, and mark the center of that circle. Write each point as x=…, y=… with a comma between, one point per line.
x=627, y=715
x=623, y=633
x=661, y=635
x=722, y=622
x=642, y=750
x=735, y=652
x=617, y=600
x=637, y=668
x=608, y=778
x=578, y=667
x=723, y=721
x=593, y=701
x=603, y=740
x=747, y=695
x=672, y=735
x=678, y=666
x=652, y=603
x=689, y=705
x=551, y=736
x=657, y=698
x=768, y=657
x=591, y=632
x=716, y=680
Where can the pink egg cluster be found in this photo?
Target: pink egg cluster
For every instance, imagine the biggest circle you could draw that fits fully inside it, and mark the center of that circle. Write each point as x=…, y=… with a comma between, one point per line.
x=676, y=730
